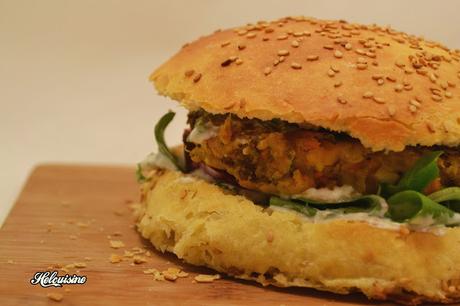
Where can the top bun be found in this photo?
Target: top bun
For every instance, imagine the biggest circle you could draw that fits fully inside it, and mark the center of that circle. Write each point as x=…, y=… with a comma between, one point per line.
x=386, y=88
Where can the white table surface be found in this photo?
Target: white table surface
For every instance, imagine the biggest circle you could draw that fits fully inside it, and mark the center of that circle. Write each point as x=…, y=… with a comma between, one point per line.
x=73, y=74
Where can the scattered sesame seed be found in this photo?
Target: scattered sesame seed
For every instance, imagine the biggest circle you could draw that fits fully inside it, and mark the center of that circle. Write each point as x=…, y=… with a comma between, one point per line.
x=415, y=103
x=267, y=70
x=361, y=66
x=412, y=108
x=239, y=61
x=307, y=33
x=226, y=63
x=451, y=84
x=224, y=44
x=282, y=37
x=281, y=59
x=360, y=51
x=361, y=60
x=242, y=32
x=338, y=54
x=337, y=84
x=265, y=39
x=400, y=63
x=189, y=73
x=407, y=87
x=399, y=87
x=295, y=65
x=276, y=62
x=298, y=34
x=269, y=30
x=251, y=35
x=377, y=77
x=430, y=127
x=380, y=81
x=448, y=94
x=368, y=95
x=283, y=52
x=341, y=100
x=312, y=58
x=391, y=79
x=432, y=77
x=379, y=100
x=54, y=296
x=295, y=43
x=197, y=77
x=335, y=69
x=348, y=46
x=436, y=97
x=391, y=110
x=241, y=46
x=331, y=73
x=328, y=47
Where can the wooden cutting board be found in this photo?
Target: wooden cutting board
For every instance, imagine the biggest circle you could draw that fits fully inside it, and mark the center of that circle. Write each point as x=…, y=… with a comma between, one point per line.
x=67, y=214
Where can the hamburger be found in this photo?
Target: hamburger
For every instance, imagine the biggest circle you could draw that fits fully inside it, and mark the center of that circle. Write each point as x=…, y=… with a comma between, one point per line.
x=319, y=154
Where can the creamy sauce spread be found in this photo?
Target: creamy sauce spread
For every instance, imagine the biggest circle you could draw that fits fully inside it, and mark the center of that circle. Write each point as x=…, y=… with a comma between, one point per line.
x=157, y=160
x=202, y=132
x=334, y=195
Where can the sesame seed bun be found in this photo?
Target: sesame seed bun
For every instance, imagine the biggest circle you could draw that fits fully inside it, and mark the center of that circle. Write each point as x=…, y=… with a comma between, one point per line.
x=201, y=224
x=386, y=88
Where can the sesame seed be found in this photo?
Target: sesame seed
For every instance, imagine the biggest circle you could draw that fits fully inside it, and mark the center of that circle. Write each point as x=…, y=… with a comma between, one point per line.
x=265, y=38
x=233, y=58
x=430, y=127
x=224, y=44
x=189, y=73
x=368, y=95
x=443, y=85
x=348, y=46
x=295, y=43
x=331, y=73
x=360, y=51
x=412, y=108
x=267, y=70
x=269, y=30
x=328, y=47
x=337, y=84
x=436, y=97
x=448, y=94
x=295, y=65
x=399, y=87
x=312, y=58
x=377, y=77
x=226, y=63
x=241, y=46
x=341, y=100
x=338, y=54
x=380, y=81
x=451, y=84
x=282, y=37
x=432, y=77
x=361, y=66
x=379, y=100
x=415, y=103
x=335, y=69
x=361, y=60
x=283, y=52
x=251, y=35
x=391, y=110
x=239, y=61
x=276, y=62
x=391, y=79
x=242, y=32
x=298, y=34
x=407, y=87
x=400, y=63
x=281, y=59
x=197, y=77
x=306, y=33
x=408, y=70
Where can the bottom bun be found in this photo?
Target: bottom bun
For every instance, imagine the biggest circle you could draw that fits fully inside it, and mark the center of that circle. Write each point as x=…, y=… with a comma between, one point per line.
x=204, y=225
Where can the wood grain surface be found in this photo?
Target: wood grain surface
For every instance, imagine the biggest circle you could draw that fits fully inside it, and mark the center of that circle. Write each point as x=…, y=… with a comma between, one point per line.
x=67, y=214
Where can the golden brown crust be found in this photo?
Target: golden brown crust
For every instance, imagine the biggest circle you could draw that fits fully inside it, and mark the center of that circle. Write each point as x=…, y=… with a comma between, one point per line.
x=380, y=86
x=202, y=225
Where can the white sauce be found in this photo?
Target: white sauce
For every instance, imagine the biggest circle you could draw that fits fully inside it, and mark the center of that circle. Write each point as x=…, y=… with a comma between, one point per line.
x=335, y=195
x=157, y=160
x=202, y=132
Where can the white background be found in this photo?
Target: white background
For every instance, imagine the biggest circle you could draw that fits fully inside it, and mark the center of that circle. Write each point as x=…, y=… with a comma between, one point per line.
x=73, y=74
